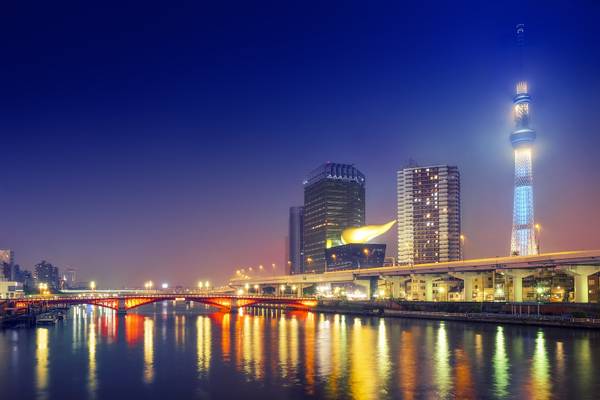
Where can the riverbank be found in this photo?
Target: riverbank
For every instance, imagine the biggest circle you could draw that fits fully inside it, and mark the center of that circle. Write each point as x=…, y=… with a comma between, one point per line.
x=562, y=315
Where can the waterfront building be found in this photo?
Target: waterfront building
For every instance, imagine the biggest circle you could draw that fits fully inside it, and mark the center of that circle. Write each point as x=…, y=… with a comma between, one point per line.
x=429, y=227
x=523, y=241
x=10, y=289
x=47, y=273
x=296, y=240
x=334, y=199
x=355, y=256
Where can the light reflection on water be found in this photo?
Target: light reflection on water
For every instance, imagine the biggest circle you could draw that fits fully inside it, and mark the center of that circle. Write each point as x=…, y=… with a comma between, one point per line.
x=190, y=352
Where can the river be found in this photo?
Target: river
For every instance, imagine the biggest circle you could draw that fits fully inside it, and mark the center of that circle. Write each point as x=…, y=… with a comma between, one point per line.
x=182, y=351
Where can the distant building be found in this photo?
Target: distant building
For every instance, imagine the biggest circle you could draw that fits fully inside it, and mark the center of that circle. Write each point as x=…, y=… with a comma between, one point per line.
x=47, y=273
x=7, y=265
x=429, y=214
x=296, y=240
x=355, y=256
x=7, y=257
x=70, y=277
x=10, y=289
x=334, y=199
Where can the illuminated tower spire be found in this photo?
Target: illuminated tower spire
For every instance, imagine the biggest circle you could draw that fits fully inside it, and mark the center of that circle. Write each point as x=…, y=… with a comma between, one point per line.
x=523, y=233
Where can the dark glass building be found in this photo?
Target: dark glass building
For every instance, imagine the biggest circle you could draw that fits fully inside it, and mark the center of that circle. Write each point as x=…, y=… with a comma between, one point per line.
x=296, y=240
x=334, y=199
x=354, y=256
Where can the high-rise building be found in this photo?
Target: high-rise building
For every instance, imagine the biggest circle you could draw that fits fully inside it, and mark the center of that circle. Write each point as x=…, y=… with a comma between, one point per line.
x=334, y=199
x=70, y=277
x=47, y=273
x=429, y=214
x=7, y=267
x=523, y=241
x=296, y=240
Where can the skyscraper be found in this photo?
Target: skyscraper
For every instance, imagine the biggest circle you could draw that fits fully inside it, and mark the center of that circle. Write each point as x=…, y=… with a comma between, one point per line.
x=522, y=240
x=47, y=273
x=334, y=199
x=428, y=214
x=296, y=240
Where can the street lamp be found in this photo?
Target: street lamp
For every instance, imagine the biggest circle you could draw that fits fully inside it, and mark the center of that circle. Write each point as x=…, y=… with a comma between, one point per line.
x=539, y=290
x=165, y=285
x=462, y=246
x=282, y=289
x=256, y=289
x=200, y=284
x=93, y=285
x=206, y=284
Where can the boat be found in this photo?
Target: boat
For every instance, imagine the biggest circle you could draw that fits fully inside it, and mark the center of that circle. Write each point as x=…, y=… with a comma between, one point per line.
x=46, y=319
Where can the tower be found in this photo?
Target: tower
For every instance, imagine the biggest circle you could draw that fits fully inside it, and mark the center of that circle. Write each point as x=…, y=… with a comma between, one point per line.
x=523, y=230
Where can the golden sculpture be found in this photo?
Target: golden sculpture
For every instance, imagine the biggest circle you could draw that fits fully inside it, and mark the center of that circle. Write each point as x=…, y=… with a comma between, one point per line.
x=365, y=233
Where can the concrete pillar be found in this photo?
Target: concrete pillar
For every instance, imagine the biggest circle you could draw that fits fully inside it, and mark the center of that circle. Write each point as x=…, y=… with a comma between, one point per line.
x=580, y=275
x=398, y=286
x=467, y=278
x=370, y=285
x=122, y=307
x=517, y=276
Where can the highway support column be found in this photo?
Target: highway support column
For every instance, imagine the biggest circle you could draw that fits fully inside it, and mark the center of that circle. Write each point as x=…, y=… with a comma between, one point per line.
x=517, y=276
x=467, y=278
x=580, y=274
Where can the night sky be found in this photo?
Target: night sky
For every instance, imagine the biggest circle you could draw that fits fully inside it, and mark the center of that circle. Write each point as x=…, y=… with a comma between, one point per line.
x=168, y=142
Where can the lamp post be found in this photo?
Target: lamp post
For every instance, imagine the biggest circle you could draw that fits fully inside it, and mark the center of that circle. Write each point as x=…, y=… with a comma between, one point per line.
x=93, y=285
x=539, y=290
x=462, y=247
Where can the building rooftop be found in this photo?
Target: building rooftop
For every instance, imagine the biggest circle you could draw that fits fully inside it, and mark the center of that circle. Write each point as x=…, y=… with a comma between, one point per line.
x=336, y=171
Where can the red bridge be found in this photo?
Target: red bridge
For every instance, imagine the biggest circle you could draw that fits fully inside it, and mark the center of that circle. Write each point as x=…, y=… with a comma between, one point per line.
x=123, y=303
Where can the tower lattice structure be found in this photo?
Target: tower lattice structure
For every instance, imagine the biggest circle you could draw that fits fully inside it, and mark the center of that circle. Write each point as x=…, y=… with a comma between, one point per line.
x=523, y=240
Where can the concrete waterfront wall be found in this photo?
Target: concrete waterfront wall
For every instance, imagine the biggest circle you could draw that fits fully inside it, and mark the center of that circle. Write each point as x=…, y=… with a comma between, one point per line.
x=588, y=310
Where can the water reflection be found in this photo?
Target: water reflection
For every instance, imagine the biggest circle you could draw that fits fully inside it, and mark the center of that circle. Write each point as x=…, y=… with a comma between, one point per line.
x=91, y=345
x=203, y=343
x=296, y=355
x=541, y=386
x=148, y=350
x=41, y=355
x=442, y=362
x=500, y=363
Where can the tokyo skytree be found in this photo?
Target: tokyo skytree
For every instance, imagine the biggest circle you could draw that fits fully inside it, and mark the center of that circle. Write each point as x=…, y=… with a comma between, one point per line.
x=523, y=238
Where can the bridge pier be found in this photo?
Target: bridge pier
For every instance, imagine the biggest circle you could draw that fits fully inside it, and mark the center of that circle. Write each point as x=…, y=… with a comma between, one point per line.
x=398, y=286
x=370, y=284
x=580, y=276
x=122, y=309
x=517, y=276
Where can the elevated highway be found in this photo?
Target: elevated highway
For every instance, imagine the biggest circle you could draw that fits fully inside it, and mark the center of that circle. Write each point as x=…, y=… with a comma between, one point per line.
x=579, y=264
